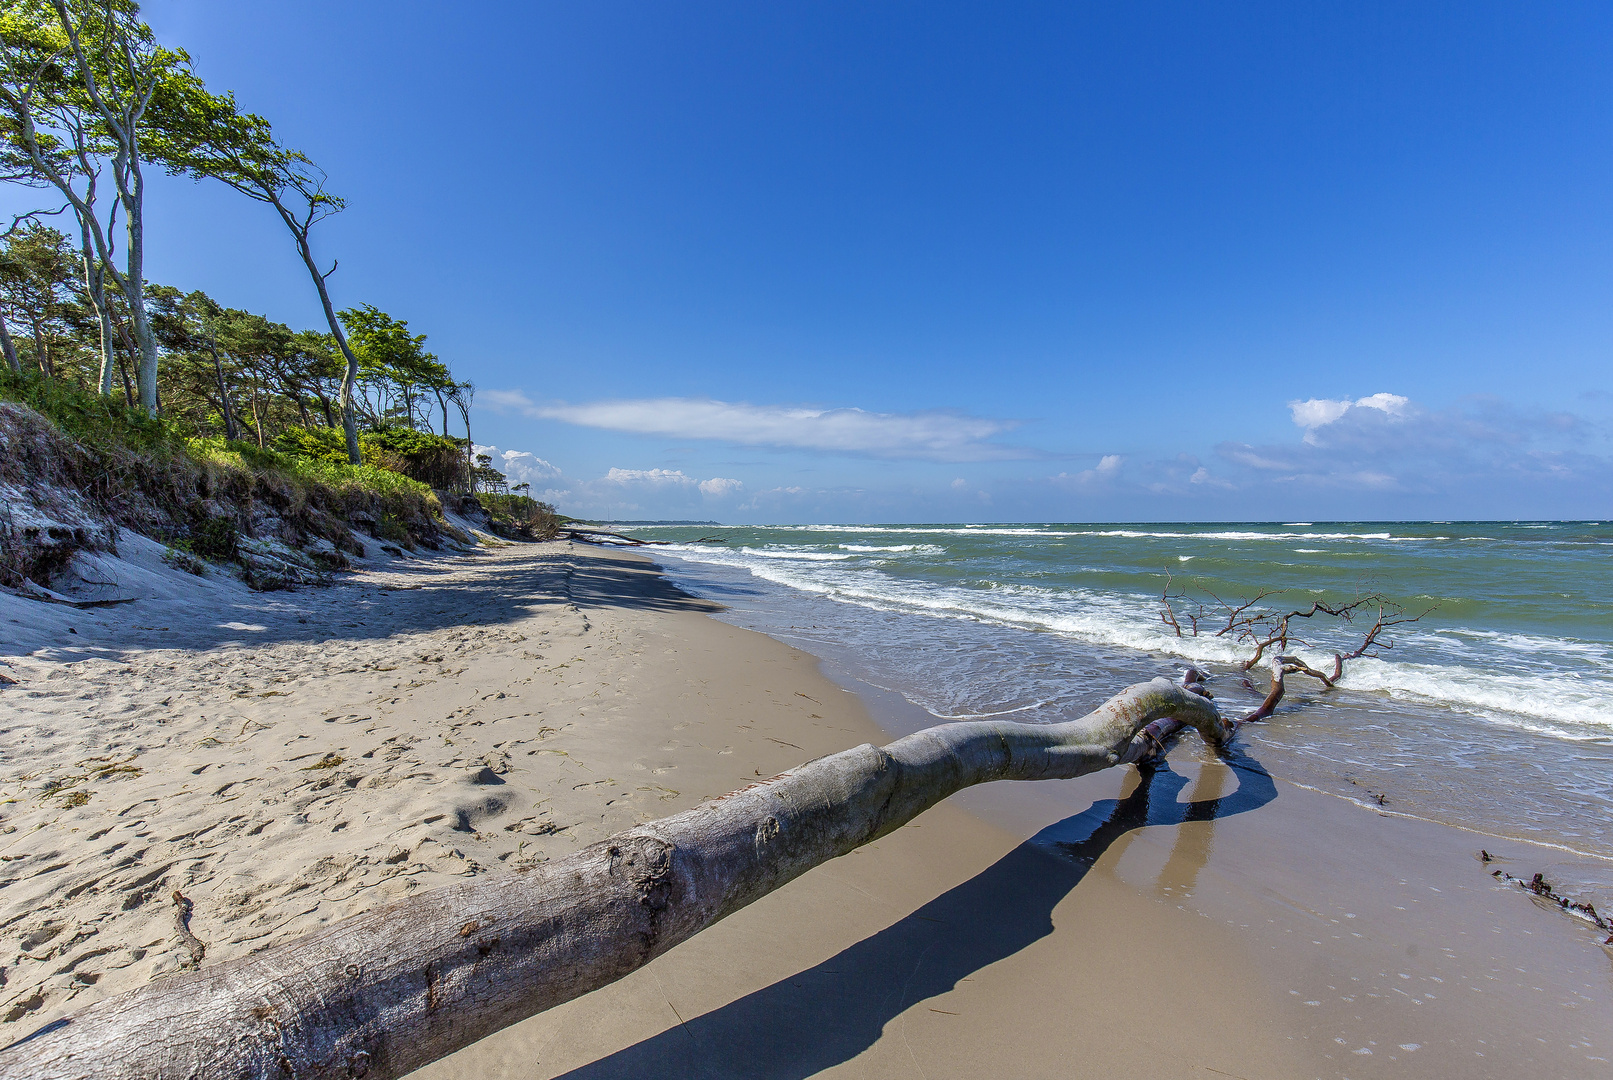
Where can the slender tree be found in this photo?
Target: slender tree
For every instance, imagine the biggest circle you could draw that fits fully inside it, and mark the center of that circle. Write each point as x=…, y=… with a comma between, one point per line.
x=461, y=394
x=206, y=136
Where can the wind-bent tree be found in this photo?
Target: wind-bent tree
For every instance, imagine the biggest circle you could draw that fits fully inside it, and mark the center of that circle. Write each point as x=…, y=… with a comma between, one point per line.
x=50, y=142
x=31, y=271
x=318, y=366
x=208, y=137
x=390, y=359
x=186, y=326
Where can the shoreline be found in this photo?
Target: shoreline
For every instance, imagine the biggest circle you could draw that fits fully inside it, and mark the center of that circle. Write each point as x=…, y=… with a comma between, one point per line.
x=1205, y=943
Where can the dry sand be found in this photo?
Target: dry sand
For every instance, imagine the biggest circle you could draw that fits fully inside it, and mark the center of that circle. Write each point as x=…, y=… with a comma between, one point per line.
x=285, y=760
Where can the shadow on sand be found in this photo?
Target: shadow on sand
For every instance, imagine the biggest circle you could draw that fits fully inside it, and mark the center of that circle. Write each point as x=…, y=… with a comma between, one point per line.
x=422, y=594
x=830, y=1013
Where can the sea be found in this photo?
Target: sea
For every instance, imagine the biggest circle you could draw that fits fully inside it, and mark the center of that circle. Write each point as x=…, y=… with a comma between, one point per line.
x=1492, y=712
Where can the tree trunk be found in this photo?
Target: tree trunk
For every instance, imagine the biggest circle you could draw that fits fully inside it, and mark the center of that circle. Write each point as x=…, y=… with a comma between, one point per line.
x=257, y=419
x=385, y=992
x=41, y=354
x=9, y=347
x=129, y=351
x=95, y=290
x=230, y=431
x=462, y=399
x=121, y=114
x=345, y=400
x=128, y=387
x=324, y=407
x=144, y=338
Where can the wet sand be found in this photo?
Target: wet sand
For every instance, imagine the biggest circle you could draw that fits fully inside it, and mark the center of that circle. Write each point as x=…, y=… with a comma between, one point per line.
x=1204, y=921
x=491, y=710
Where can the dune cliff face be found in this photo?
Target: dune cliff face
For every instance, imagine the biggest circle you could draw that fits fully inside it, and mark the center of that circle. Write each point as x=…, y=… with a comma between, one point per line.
x=60, y=497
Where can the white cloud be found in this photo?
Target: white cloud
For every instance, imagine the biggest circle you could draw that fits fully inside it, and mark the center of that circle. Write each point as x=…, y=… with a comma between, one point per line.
x=672, y=480
x=719, y=486
x=1386, y=444
x=523, y=467
x=1103, y=473
x=504, y=400
x=1320, y=412
x=959, y=484
x=1244, y=454
x=520, y=466
x=655, y=477
x=1317, y=412
x=1393, y=404
x=932, y=435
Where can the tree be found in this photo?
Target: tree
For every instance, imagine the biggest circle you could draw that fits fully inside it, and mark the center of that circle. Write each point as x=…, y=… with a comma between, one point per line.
x=486, y=477
x=186, y=325
x=391, y=358
x=35, y=266
x=207, y=136
x=316, y=361
x=461, y=394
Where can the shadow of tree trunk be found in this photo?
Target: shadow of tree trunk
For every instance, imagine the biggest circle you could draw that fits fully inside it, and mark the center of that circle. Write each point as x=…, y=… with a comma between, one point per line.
x=832, y=1012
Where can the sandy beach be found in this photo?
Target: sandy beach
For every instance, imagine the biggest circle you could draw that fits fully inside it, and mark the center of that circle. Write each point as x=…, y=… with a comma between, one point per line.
x=284, y=760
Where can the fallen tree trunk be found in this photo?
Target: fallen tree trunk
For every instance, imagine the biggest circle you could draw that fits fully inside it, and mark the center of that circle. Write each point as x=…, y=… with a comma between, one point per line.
x=388, y=991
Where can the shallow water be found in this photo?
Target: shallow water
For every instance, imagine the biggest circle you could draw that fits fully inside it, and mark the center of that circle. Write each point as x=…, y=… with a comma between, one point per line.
x=1494, y=712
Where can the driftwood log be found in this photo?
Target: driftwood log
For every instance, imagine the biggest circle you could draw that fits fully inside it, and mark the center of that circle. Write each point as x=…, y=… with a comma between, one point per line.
x=385, y=992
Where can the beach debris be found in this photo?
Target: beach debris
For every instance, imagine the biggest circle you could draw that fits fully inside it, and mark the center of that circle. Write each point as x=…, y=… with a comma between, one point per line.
x=30, y=591
x=1543, y=889
x=1376, y=796
x=1270, y=633
x=193, y=944
x=602, y=536
x=572, y=924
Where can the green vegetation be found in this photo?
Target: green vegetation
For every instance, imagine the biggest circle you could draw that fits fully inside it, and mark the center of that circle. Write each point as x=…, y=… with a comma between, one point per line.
x=70, y=448
x=163, y=410
x=89, y=99
x=520, y=517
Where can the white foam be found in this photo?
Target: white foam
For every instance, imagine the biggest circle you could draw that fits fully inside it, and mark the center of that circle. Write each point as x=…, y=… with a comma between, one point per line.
x=874, y=549
x=1558, y=702
x=802, y=556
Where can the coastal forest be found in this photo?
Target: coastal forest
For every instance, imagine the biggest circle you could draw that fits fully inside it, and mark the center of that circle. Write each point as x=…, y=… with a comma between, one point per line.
x=142, y=377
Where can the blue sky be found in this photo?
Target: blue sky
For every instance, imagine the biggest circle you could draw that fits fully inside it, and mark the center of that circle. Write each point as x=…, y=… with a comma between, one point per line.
x=901, y=261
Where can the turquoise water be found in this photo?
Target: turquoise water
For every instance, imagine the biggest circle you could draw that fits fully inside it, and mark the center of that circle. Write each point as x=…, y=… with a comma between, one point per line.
x=1494, y=711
